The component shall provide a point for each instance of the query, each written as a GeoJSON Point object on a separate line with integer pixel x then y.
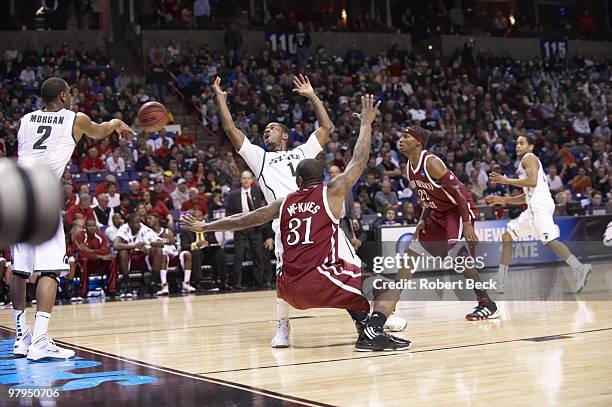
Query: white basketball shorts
{"type": "Point", "coordinates": [49, 256]}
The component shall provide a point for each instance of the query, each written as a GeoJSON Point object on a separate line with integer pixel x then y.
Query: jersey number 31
{"type": "Point", "coordinates": [294, 237]}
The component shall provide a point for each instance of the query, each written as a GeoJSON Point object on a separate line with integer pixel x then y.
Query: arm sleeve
{"type": "Point", "coordinates": [456, 189]}
{"type": "Point", "coordinates": [311, 148]}
{"type": "Point", "coordinates": [253, 155]}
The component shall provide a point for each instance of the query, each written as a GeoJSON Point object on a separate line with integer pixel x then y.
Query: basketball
{"type": "Point", "coordinates": [152, 116]}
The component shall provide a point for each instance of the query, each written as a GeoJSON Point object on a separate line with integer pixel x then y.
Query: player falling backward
{"type": "Point", "coordinates": [275, 170]}
{"type": "Point", "coordinates": [318, 269]}
{"type": "Point", "coordinates": [48, 136]}
{"type": "Point", "coordinates": [537, 219]}
{"type": "Point", "coordinates": [448, 214]}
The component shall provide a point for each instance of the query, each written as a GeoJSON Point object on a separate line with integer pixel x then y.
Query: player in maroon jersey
{"type": "Point", "coordinates": [319, 266]}
{"type": "Point", "coordinates": [448, 211]}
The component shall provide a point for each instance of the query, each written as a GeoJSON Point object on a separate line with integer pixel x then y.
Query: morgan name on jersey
{"type": "Point", "coordinates": [45, 119]}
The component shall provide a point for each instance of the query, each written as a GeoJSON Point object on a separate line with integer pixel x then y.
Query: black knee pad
{"type": "Point", "coordinates": [50, 274]}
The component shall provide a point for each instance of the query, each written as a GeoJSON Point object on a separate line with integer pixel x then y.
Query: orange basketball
{"type": "Point", "coordinates": [152, 116]}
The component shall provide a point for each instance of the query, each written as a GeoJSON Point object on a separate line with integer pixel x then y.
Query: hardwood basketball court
{"type": "Point", "coordinates": [214, 350]}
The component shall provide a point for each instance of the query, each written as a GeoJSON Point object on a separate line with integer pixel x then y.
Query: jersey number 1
{"type": "Point", "coordinates": [46, 132]}
{"type": "Point", "coordinates": [294, 236]}
{"type": "Point", "coordinates": [290, 165]}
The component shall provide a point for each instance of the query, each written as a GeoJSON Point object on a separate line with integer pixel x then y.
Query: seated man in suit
{"type": "Point", "coordinates": [204, 247]}
{"type": "Point", "coordinates": [247, 199]}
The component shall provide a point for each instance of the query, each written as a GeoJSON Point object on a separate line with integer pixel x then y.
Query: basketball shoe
{"type": "Point", "coordinates": [163, 291]}
{"type": "Point", "coordinates": [486, 309]}
{"type": "Point", "coordinates": [21, 345]}
{"type": "Point", "coordinates": [582, 276]}
{"type": "Point", "coordinates": [44, 347]}
{"type": "Point", "coordinates": [281, 339]}
{"type": "Point", "coordinates": [188, 288]}
{"type": "Point", "coordinates": [373, 340]}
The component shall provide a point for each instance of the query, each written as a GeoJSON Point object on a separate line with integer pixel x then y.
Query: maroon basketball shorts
{"type": "Point", "coordinates": [336, 285]}
{"type": "Point", "coordinates": [442, 233]}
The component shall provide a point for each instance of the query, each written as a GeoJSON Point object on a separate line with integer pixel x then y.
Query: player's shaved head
{"type": "Point", "coordinates": [309, 172]}
{"type": "Point", "coordinates": [52, 88]}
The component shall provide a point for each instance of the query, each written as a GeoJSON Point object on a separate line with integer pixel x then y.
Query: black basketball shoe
{"type": "Point", "coordinates": [374, 340]}
{"type": "Point", "coordinates": [486, 309]}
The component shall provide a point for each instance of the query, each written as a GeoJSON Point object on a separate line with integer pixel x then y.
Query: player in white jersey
{"type": "Point", "coordinates": [48, 136]}
{"type": "Point", "coordinates": [171, 257]}
{"type": "Point", "coordinates": [537, 219]}
{"type": "Point", "coordinates": [275, 171]}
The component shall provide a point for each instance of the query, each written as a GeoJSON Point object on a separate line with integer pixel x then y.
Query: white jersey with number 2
{"type": "Point", "coordinates": [46, 137]}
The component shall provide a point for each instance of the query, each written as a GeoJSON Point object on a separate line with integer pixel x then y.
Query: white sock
{"type": "Point", "coordinates": [41, 325]}
{"type": "Point", "coordinates": [187, 276]}
{"type": "Point", "coordinates": [162, 276]}
{"type": "Point", "coordinates": [573, 262]}
{"type": "Point", "coordinates": [503, 268]}
{"type": "Point", "coordinates": [21, 322]}
{"type": "Point", "coordinates": [282, 309]}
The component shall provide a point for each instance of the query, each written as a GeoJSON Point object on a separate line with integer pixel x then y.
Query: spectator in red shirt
{"type": "Point", "coordinates": [162, 195]}
{"type": "Point", "coordinates": [92, 163]}
{"type": "Point", "coordinates": [155, 205]}
{"type": "Point", "coordinates": [67, 179]}
{"type": "Point", "coordinates": [164, 151]}
{"type": "Point", "coordinates": [83, 208]}
{"type": "Point", "coordinates": [95, 257]}
{"type": "Point", "coordinates": [185, 139]}
{"type": "Point", "coordinates": [195, 201]}
{"type": "Point", "coordinates": [586, 24]}
{"type": "Point", "coordinates": [70, 197]}
{"type": "Point", "coordinates": [102, 187]}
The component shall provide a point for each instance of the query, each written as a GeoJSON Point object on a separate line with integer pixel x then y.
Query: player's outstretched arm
{"type": "Point", "coordinates": [235, 222]}
{"type": "Point", "coordinates": [339, 186]}
{"type": "Point", "coordinates": [506, 200]}
{"type": "Point", "coordinates": [531, 165]}
{"type": "Point", "coordinates": [235, 135]}
{"type": "Point", "coordinates": [303, 87]}
{"type": "Point", "coordinates": [83, 126]}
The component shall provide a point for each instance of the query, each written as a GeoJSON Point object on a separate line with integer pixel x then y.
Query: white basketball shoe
{"type": "Point", "coordinates": [281, 339]}
{"type": "Point", "coordinates": [20, 348]}
{"type": "Point", "coordinates": [582, 276]}
{"type": "Point", "coordinates": [44, 347]}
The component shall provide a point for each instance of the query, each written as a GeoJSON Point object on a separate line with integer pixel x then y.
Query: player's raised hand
{"type": "Point", "coordinates": [495, 200]}
{"type": "Point", "coordinates": [124, 131]}
{"type": "Point", "coordinates": [368, 109]}
{"type": "Point", "coordinates": [217, 88]}
{"type": "Point", "coordinates": [190, 223]}
{"type": "Point", "coordinates": [498, 178]}
{"type": "Point", "coordinates": [302, 86]}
